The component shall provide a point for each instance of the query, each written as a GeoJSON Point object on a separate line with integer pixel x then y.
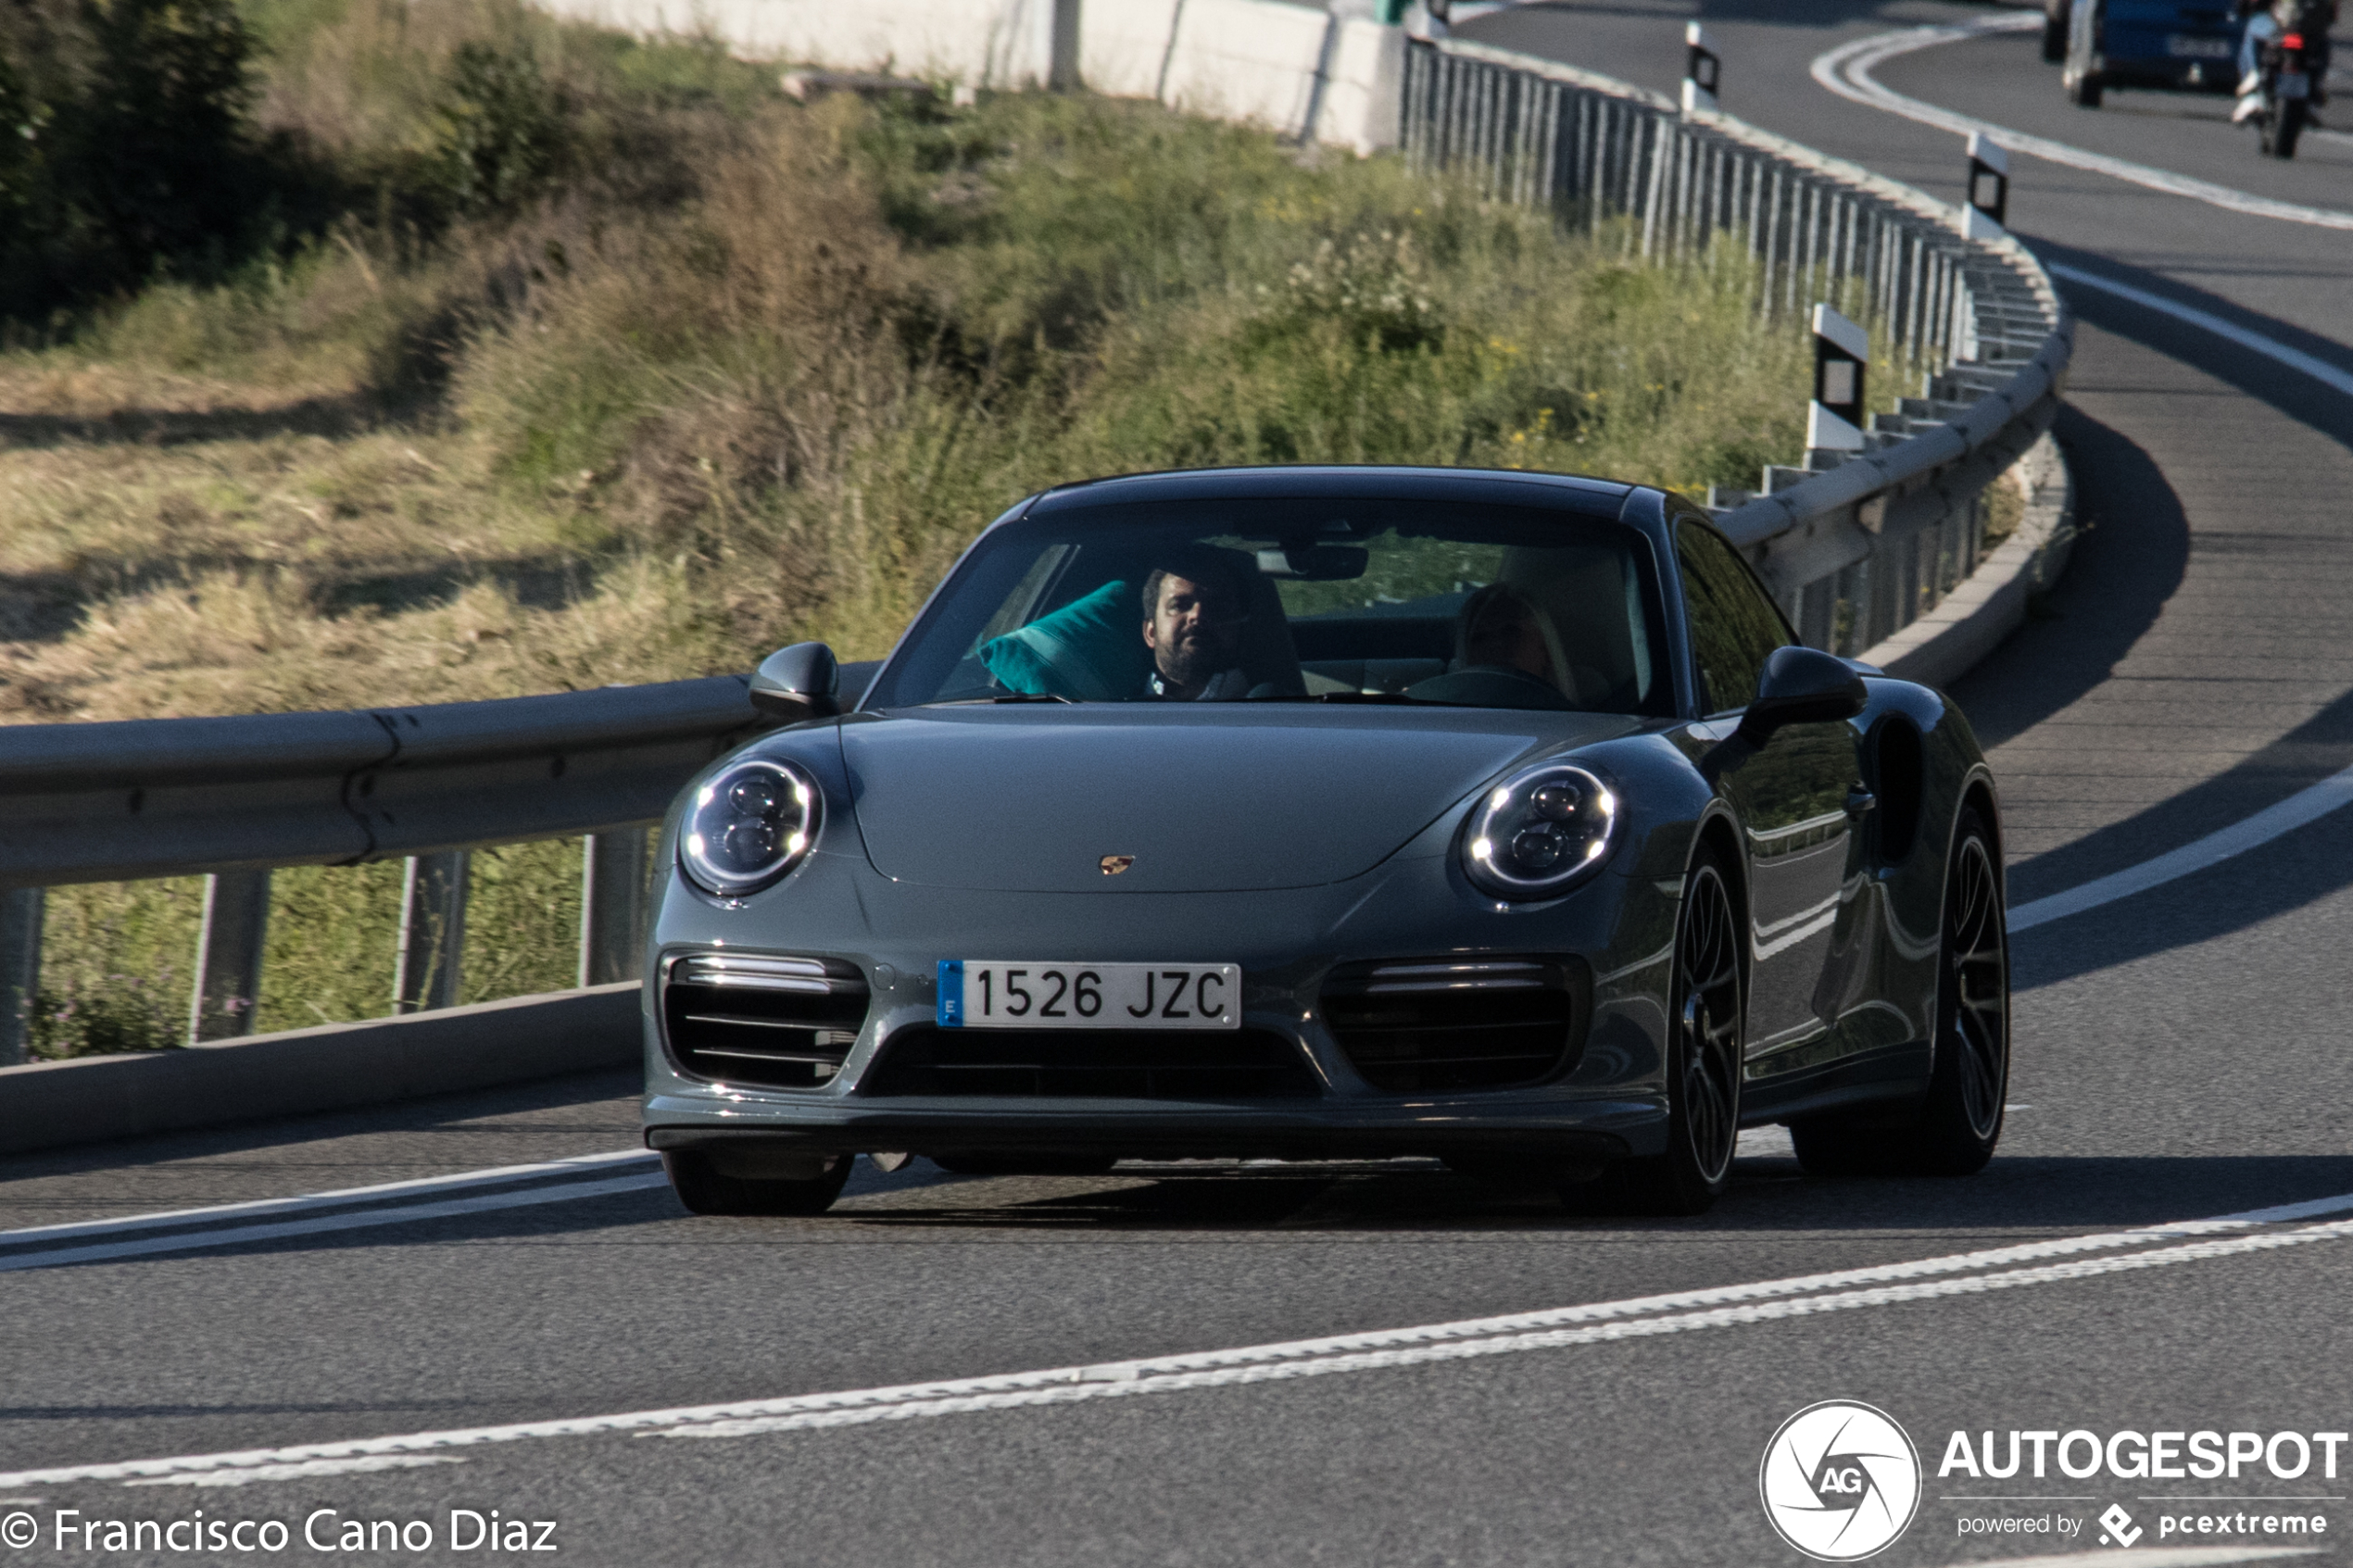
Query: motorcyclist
{"type": "Point", "coordinates": [2271, 20]}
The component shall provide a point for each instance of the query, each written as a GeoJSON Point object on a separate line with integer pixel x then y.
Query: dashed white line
{"type": "Point", "coordinates": [361, 1465]}
{"type": "Point", "coordinates": [1846, 70]}
{"type": "Point", "coordinates": [1597, 1323]}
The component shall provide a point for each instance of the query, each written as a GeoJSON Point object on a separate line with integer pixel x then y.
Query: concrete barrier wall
{"type": "Point", "coordinates": [1301, 69]}
{"type": "Point", "coordinates": [49, 1104]}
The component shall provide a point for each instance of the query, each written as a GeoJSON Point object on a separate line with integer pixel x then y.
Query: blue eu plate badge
{"type": "Point", "coordinates": [951, 994]}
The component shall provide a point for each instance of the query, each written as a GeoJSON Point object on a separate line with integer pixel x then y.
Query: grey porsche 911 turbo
{"type": "Point", "coordinates": [1306, 813]}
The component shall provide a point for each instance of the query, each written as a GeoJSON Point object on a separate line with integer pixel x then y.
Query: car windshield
{"type": "Point", "coordinates": [1295, 600]}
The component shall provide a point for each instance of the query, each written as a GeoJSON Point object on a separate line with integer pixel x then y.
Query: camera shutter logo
{"type": "Point", "coordinates": [1841, 1480]}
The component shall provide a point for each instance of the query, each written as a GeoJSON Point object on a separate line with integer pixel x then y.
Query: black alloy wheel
{"type": "Point", "coordinates": [1707, 1035]}
{"type": "Point", "coordinates": [696, 1176]}
{"type": "Point", "coordinates": [1957, 1126]}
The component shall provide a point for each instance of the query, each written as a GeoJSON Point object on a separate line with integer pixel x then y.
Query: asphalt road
{"type": "Point", "coordinates": [2179, 1055]}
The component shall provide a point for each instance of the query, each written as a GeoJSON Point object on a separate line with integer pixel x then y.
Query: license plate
{"type": "Point", "coordinates": [2188, 47]}
{"type": "Point", "coordinates": [1044, 994]}
{"type": "Point", "coordinates": [2294, 84]}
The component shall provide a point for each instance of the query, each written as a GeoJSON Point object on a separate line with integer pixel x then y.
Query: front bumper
{"type": "Point", "coordinates": [1608, 1102]}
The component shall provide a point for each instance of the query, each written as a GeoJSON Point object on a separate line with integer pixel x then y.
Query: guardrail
{"type": "Point", "coordinates": [1855, 552]}
{"type": "Point", "coordinates": [1857, 549]}
{"type": "Point", "coordinates": [234, 797]}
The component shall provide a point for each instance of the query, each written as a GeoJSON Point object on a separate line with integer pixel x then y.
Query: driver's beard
{"type": "Point", "coordinates": [1193, 661]}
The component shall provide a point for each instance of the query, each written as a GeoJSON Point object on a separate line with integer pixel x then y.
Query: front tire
{"type": "Point", "coordinates": [2284, 127]}
{"type": "Point", "coordinates": [1707, 1033]}
{"type": "Point", "coordinates": [696, 1177]}
{"type": "Point", "coordinates": [1960, 1122]}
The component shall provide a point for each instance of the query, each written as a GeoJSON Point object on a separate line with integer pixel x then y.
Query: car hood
{"type": "Point", "coordinates": [1199, 799]}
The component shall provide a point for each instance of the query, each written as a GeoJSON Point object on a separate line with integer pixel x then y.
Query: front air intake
{"type": "Point", "coordinates": [1189, 1064]}
{"type": "Point", "coordinates": [1424, 1025]}
{"type": "Point", "coordinates": [775, 1022]}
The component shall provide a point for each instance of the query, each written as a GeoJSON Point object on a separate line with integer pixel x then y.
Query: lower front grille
{"type": "Point", "coordinates": [777, 1022]}
{"type": "Point", "coordinates": [1418, 1025]}
{"type": "Point", "coordinates": [1102, 1064]}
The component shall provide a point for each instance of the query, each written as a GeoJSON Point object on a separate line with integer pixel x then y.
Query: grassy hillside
{"type": "Point", "coordinates": [595, 361]}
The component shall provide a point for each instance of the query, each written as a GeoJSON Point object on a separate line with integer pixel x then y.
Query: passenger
{"type": "Point", "coordinates": [1193, 618]}
{"type": "Point", "coordinates": [1502, 628]}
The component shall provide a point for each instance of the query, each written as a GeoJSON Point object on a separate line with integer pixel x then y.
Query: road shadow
{"type": "Point", "coordinates": [2298, 395]}
{"type": "Point", "coordinates": [2130, 559]}
{"type": "Point", "coordinates": [1769, 1194]}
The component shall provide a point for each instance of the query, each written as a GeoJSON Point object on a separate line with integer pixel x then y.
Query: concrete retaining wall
{"type": "Point", "coordinates": [48, 1104]}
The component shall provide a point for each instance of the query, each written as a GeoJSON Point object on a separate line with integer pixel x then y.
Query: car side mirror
{"type": "Point", "coordinates": [1801, 686]}
{"type": "Point", "coordinates": [800, 682]}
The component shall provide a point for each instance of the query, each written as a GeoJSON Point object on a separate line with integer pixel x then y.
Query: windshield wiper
{"type": "Point", "coordinates": [1391, 698]}
{"type": "Point", "coordinates": [1000, 696]}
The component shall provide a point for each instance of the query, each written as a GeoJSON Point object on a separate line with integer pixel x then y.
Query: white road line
{"type": "Point", "coordinates": [1846, 70]}
{"type": "Point", "coordinates": [304, 1471]}
{"type": "Point", "coordinates": [2271, 349]}
{"type": "Point", "coordinates": [1590, 1323]}
{"type": "Point", "coordinates": [1120, 1379]}
{"type": "Point", "coordinates": [577, 1164]}
{"type": "Point", "coordinates": [2305, 805]}
{"type": "Point", "coordinates": [363, 1219]}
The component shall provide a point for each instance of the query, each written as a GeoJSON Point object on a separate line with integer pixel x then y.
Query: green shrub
{"type": "Point", "coordinates": [505, 132]}
{"type": "Point", "coordinates": [132, 151]}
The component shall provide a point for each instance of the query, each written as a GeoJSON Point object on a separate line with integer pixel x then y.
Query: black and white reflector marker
{"type": "Point", "coordinates": [1702, 66]}
{"type": "Point", "coordinates": [1986, 212]}
{"type": "Point", "coordinates": [1842, 351]}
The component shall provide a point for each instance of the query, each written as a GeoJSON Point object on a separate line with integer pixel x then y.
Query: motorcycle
{"type": "Point", "coordinates": [2290, 48]}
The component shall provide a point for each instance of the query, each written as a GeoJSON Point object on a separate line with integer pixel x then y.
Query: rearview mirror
{"type": "Point", "coordinates": [1315, 563]}
{"type": "Point", "coordinates": [800, 682]}
{"type": "Point", "coordinates": [1801, 686]}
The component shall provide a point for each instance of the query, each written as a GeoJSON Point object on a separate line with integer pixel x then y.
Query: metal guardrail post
{"type": "Point", "coordinates": [433, 932]}
{"type": "Point", "coordinates": [21, 917]}
{"type": "Point", "coordinates": [236, 924]}
{"type": "Point", "coordinates": [612, 905]}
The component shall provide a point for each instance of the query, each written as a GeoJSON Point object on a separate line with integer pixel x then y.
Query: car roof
{"type": "Point", "coordinates": [1592, 497]}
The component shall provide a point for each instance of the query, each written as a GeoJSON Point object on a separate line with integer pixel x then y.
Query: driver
{"type": "Point", "coordinates": [1193, 618]}
{"type": "Point", "coordinates": [1502, 628]}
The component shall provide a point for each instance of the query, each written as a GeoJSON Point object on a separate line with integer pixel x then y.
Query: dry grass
{"type": "Point", "coordinates": [757, 372]}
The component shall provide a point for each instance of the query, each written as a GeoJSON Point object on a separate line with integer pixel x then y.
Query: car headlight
{"type": "Point", "coordinates": [749, 825]}
{"type": "Point", "coordinates": [1538, 833]}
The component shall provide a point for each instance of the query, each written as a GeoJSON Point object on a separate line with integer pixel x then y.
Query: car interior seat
{"type": "Point", "coordinates": [1592, 597]}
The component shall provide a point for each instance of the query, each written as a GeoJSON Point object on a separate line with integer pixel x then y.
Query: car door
{"type": "Point", "coordinates": [1790, 793]}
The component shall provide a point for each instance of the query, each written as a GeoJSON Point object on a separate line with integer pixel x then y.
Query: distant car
{"type": "Point", "coordinates": [2184, 45]}
{"type": "Point", "coordinates": [1311, 812]}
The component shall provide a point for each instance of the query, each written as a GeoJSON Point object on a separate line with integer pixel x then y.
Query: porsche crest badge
{"type": "Point", "coordinates": [1114, 864]}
